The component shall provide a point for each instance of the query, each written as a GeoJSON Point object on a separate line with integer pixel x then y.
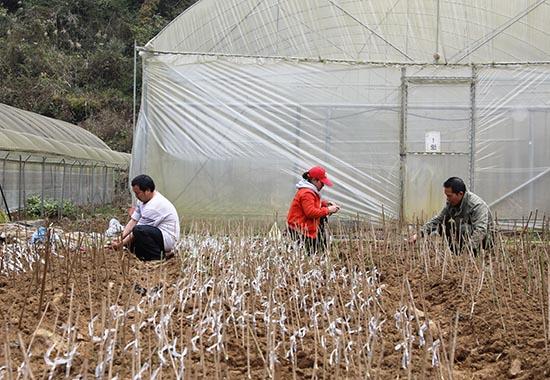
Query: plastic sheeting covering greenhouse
{"type": "Point", "coordinates": [52, 159]}
{"type": "Point", "coordinates": [392, 97]}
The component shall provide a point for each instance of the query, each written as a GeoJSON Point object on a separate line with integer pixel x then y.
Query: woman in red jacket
{"type": "Point", "coordinates": [307, 211]}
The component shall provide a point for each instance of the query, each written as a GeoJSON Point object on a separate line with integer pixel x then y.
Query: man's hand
{"type": "Point", "coordinates": [413, 239]}
{"type": "Point", "coordinates": [116, 245]}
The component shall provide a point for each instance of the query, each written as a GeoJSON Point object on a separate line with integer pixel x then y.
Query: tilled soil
{"type": "Point", "coordinates": [490, 314]}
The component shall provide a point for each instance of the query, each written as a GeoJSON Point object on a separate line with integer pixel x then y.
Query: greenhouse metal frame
{"type": "Point", "coordinates": [54, 160]}
{"type": "Point", "coordinates": [206, 87]}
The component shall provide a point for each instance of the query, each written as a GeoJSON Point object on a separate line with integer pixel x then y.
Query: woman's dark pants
{"type": "Point", "coordinates": [312, 245]}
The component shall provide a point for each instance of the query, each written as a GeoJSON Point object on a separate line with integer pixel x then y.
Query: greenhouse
{"type": "Point", "coordinates": [56, 160]}
{"type": "Point", "coordinates": [392, 97]}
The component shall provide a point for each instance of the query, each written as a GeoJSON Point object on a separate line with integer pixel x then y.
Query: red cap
{"type": "Point", "coordinates": [319, 173]}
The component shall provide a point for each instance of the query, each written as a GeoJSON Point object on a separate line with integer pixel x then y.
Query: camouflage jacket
{"type": "Point", "coordinates": [472, 211]}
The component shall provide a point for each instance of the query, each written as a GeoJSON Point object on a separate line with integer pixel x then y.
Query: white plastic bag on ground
{"type": "Point", "coordinates": [115, 228]}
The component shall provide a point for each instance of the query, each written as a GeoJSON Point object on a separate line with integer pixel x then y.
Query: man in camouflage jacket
{"type": "Point", "coordinates": [465, 219]}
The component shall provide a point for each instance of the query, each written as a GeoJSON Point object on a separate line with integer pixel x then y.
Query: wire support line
{"type": "Point", "coordinates": [386, 14]}
{"type": "Point", "coordinates": [468, 50]}
{"type": "Point", "coordinates": [236, 25]}
{"type": "Point", "coordinates": [370, 30]}
{"type": "Point", "coordinates": [523, 185]}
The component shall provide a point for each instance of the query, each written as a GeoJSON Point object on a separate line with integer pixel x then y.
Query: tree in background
{"type": "Point", "coordinates": [73, 60]}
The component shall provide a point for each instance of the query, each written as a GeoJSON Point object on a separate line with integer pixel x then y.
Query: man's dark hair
{"type": "Point", "coordinates": [456, 184]}
{"type": "Point", "coordinates": [144, 182]}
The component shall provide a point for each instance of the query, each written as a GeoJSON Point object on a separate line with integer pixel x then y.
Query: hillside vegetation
{"type": "Point", "coordinates": [73, 60]}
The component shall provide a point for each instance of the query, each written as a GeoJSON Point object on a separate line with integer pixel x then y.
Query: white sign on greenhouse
{"type": "Point", "coordinates": [433, 142]}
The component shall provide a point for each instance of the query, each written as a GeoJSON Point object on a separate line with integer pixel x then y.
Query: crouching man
{"type": "Point", "coordinates": [465, 219]}
{"type": "Point", "coordinates": [154, 227]}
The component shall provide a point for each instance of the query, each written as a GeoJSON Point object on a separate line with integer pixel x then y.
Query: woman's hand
{"type": "Point", "coordinates": [332, 209]}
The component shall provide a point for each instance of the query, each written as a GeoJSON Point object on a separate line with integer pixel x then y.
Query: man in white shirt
{"type": "Point", "coordinates": [154, 227]}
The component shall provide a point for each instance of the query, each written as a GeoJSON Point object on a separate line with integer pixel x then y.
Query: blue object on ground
{"type": "Point", "coordinates": [39, 236]}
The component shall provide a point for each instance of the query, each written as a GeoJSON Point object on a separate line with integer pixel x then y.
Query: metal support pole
{"type": "Point", "coordinates": [114, 182]}
{"type": "Point", "coordinates": [91, 189]}
{"type": "Point", "coordinates": [5, 203]}
{"type": "Point", "coordinates": [144, 110]}
{"type": "Point", "coordinates": [24, 185]}
{"type": "Point", "coordinates": [20, 187]}
{"type": "Point", "coordinates": [80, 180]}
{"type": "Point", "coordinates": [473, 114]}
{"type": "Point", "coordinates": [4, 169]}
{"type": "Point", "coordinates": [402, 144]}
{"type": "Point", "coordinates": [71, 190]}
{"type": "Point", "coordinates": [4, 162]}
{"type": "Point", "coordinates": [70, 182]}
{"type": "Point", "coordinates": [53, 180]}
{"type": "Point", "coordinates": [63, 173]}
{"type": "Point", "coordinates": [104, 184]}
{"type": "Point", "coordinates": [438, 22]}
{"type": "Point", "coordinates": [135, 91]}
{"type": "Point", "coordinates": [42, 187]}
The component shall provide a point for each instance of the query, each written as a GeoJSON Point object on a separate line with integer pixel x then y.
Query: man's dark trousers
{"type": "Point", "coordinates": [148, 243]}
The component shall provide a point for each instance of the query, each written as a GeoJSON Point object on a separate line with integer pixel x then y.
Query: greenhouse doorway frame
{"type": "Point", "coordinates": [453, 135]}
